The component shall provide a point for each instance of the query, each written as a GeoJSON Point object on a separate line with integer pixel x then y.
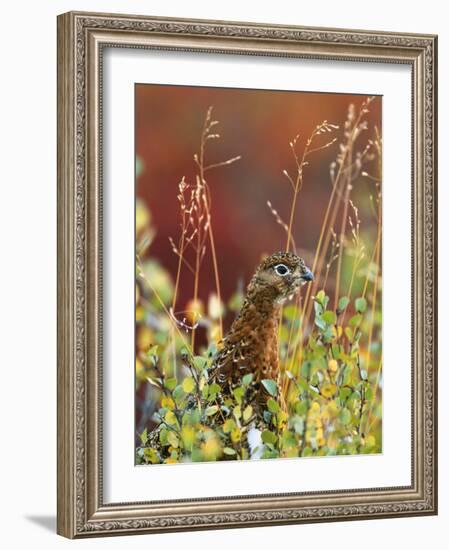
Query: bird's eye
{"type": "Point", "coordinates": [281, 269]}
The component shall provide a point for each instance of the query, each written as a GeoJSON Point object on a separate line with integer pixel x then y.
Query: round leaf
{"type": "Point", "coordinates": [273, 406]}
{"type": "Point", "coordinates": [269, 437]}
{"type": "Point", "coordinates": [329, 317]}
{"type": "Point", "coordinates": [270, 386]}
{"type": "Point", "coordinates": [188, 384]}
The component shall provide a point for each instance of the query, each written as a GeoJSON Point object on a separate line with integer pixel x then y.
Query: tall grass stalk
{"type": "Point", "coordinates": [354, 126]}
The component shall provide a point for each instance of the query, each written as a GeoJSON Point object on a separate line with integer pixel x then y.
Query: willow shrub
{"type": "Point", "coordinates": [331, 406]}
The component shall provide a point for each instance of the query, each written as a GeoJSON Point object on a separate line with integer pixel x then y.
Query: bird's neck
{"type": "Point", "coordinates": [262, 305]}
{"type": "Point", "coordinates": [265, 298]}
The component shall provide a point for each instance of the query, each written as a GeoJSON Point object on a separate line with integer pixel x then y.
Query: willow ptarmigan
{"type": "Point", "coordinates": [251, 345]}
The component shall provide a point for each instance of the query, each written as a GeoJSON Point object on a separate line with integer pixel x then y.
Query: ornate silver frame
{"type": "Point", "coordinates": [81, 39]}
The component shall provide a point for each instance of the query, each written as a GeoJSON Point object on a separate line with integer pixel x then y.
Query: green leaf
{"type": "Point", "coordinates": [318, 308]}
{"type": "Point", "coordinates": [320, 323]}
{"type": "Point", "coordinates": [229, 451]}
{"type": "Point", "coordinates": [152, 352]}
{"type": "Point", "coordinates": [214, 389]}
{"type": "Point", "coordinates": [170, 383]}
{"type": "Point", "coordinates": [270, 386]}
{"type": "Point", "coordinates": [329, 317]}
{"type": "Point", "coordinates": [343, 303]}
{"type": "Point", "coordinates": [344, 394]}
{"type": "Point", "coordinates": [368, 394]}
{"type": "Point", "coordinates": [247, 379]}
{"type": "Point", "coordinates": [151, 456]}
{"type": "Point", "coordinates": [307, 451]}
{"type": "Point", "coordinates": [269, 437]}
{"type": "Point", "coordinates": [301, 407]}
{"type": "Point", "coordinates": [345, 416]}
{"type": "Point", "coordinates": [178, 394]}
{"type": "Point", "coordinates": [239, 392]}
{"type": "Point", "coordinates": [185, 352]}
{"type": "Point", "coordinates": [144, 437]}
{"type": "Point", "coordinates": [273, 406]}
{"type": "Point", "coordinates": [360, 305]}
{"type": "Point", "coordinates": [355, 321]}
{"type": "Point", "coordinates": [237, 412]}
{"type": "Point", "coordinates": [228, 426]}
{"type": "Point", "coordinates": [200, 363]}
{"type": "Point", "coordinates": [305, 369]}
{"type": "Point", "coordinates": [163, 436]}
{"type": "Point", "coordinates": [210, 411]}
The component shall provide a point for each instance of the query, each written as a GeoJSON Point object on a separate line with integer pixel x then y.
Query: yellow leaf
{"type": "Point", "coordinates": [170, 417]}
{"type": "Point", "coordinates": [282, 417]}
{"type": "Point", "coordinates": [173, 439]}
{"type": "Point", "coordinates": [194, 310]}
{"type": "Point", "coordinates": [214, 333]}
{"type": "Point", "coordinates": [332, 365]}
{"type": "Point", "coordinates": [188, 384]}
{"type": "Point", "coordinates": [332, 441]}
{"type": "Point", "coordinates": [328, 390]}
{"type": "Point", "coordinates": [139, 367]}
{"type": "Point", "coordinates": [142, 216]}
{"type": "Point", "coordinates": [211, 448]}
{"type": "Point", "coordinates": [140, 313]}
{"type": "Point", "coordinates": [151, 456]}
{"type": "Point", "coordinates": [144, 338]}
{"type": "Point", "coordinates": [188, 436]}
{"type": "Point", "coordinates": [236, 435]}
{"type": "Point", "coordinates": [215, 307]}
{"type": "Point", "coordinates": [237, 412]}
{"type": "Point", "coordinates": [331, 410]}
{"type": "Point", "coordinates": [228, 426]}
{"type": "Point", "coordinates": [247, 413]}
{"type": "Point", "coordinates": [167, 402]}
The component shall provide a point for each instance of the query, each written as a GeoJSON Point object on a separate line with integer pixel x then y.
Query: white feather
{"type": "Point", "coordinates": [256, 445]}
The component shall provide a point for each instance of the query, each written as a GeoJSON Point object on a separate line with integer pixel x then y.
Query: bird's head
{"type": "Point", "coordinates": [281, 274]}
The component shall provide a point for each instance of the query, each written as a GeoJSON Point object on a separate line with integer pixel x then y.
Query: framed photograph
{"type": "Point", "coordinates": [247, 274]}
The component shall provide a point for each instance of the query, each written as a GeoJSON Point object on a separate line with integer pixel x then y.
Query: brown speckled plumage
{"type": "Point", "coordinates": [251, 345]}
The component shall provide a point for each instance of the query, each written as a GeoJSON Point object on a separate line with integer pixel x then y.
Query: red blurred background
{"type": "Point", "coordinates": [258, 125]}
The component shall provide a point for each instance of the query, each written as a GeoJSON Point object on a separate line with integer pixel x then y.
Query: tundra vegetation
{"type": "Point", "coordinates": [328, 399]}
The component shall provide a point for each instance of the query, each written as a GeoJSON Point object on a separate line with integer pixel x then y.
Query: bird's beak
{"type": "Point", "coordinates": [307, 275]}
